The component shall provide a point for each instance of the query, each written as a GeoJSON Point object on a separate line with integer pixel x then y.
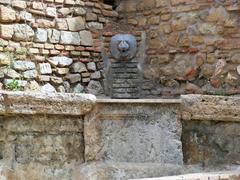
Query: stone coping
{"type": "Point", "coordinates": [141, 101]}
{"type": "Point", "coordinates": [45, 103]}
{"type": "Point", "coordinates": [208, 107]}
{"type": "Point", "coordinates": [193, 106]}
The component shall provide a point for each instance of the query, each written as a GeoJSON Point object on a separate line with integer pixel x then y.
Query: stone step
{"type": "Point", "coordinates": [224, 175]}
{"type": "Point", "coordinates": [122, 65]}
{"type": "Point", "coordinates": [125, 70]}
{"type": "Point", "coordinates": [125, 76]}
{"type": "Point", "coordinates": [123, 170]}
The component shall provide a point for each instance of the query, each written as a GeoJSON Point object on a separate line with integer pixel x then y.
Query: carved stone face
{"type": "Point", "coordinates": [123, 46]}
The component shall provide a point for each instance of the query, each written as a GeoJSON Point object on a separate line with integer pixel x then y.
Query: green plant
{"type": "Point", "coordinates": [14, 86]}
{"type": "Point", "coordinates": [220, 93]}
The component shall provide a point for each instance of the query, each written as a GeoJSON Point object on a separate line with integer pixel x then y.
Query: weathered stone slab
{"type": "Point", "coordinates": [37, 170]}
{"type": "Point", "coordinates": [225, 175]}
{"type": "Point", "coordinates": [133, 132]}
{"type": "Point", "coordinates": [42, 145]}
{"type": "Point", "coordinates": [61, 61]}
{"type": "Point", "coordinates": [70, 38]}
{"type": "Point", "coordinates": [48, 88]}
{"type": "Point", "coordinates": [211, 143]}
{"type": "Point", "coordinates": [23, 32]}
{"type": "Point", "coordinates": [76, 23]}
{"type": "Point", "coordinates": [206, 107]}
{"type": "Point", "coordinates": [6, 31]}
{"type": "Point", "coordinates": [41, 35]}
{"type": "Point", "coordinates": [7, 14]}
{"type": "Point", "coordinates": [45, 103]}
{"type": "Point", "coordinates": [123, 171]}
{"type": "Point", "coordinates": [86, 38]}
{"type": "Point", "coordinates": [23, 65]}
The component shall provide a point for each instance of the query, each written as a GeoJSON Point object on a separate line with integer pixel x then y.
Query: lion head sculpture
{"type": "Point", "coordinates": [123, 46]}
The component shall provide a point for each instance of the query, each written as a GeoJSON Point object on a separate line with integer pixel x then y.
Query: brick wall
{"type": "Point", "coordinates": [52, 45]}
{"type": "Point", "coordinates": [192, 46]}
{"type": "Point", "coordinates": [57, 45]}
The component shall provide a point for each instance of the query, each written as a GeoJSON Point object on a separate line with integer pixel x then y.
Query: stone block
{"type": "Point", "coordinates": [10, 73]}
{"type": "Point", "coordinates": [4, 59]}
{"type": "Point", "coordinates": [56, 80]}
{"type": "Point", "coordinates": [78, 88]}
{"type": "Point", "coordinates": [30, 74]}
{"type": "Point", "coordinates": [61, 61]}
{"type": "Point", "coordinates": [72, 38]}
{"type": "Point", "coordinates": [86, 38]}
{"type": "Point", "coordinates": [96, 75]}
{"type": "Point", "coordinates": [48, 88]}
{"type": "Point", "coordinates": [45, 68]}
{"type": "Point", "coordinates": [23, 32]}
{"type": "Point", "coordinates": [78, 67]}
{"type": "Point", "coordinates": [32, 86]}
{"type": "Point", "coordinates": [134, 132]}
{"type": "Point", "coordinates": [26, 16]}
{"type": "Point", "coordinates": [6, 31]}
{"type": "Point", "coordinates": [62, 71]}
{"type": "Point", "coordinates": [23, 65]}
{"type": "Point", "coordinates": [7, 14]}
{"type": "Point", "coordinates": [91, 17]}
{"type": "Point", "coordinates": [46, 104]}
{"type": "Point", "coordinates": [19, 4]}
{"type": "Point", "coordinates": [95, 25]}
{"type": "Point", "coordinates": [41, 35]}
{"type": "Point", "coordinates": [206, 107]}
{"type": "Point", "coordinates": [73, 78]}
{"type": "Point", "coordinates": [64, 11]}
{"type": "Point", "coordinates": [5, 1]}
{"type": "Point", "coordinates": [39, 6]}
{"type": "Point", "coordinates": [76, 23]}
{"type": "Point", "coordinates": [211, 143]}
{"type": "Point", "coordinates": [51, 11]}
{"type": "Point", "coordinates": [53, 35]}
{"type": "Point", "coordinates": [91, 66]}
{"type": "Point", "coordinates": [61, 24]}
{"type": "Point", "coordinates": [79, 11]}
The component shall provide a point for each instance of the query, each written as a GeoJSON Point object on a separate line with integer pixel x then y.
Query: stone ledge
{"type": "Point", "coordinates": [227, 175]}
{"type": "Point", "coordinates": [141, 101]}
{"type": "Point", "coordinates": [207, 107]}
{"type": "Point", "coordinates": [45, 103]}
{"type": "Point", "coordinates": [123, 170]}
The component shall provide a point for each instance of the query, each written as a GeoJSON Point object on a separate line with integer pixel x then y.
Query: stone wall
{"type": "Point", "coordinates": [52, 45]}
{"type": "Point", "coordinates": [210, 134]}
{"type": "Point", "coordinates": [192, 46]}
{"type": "Point", "coordinates": [61, 45]}
{"type": "Point", "coordinates": [41, 137]}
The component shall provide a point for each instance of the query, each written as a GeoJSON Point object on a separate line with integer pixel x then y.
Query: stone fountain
{"type": "Point", "coordinates": [123, 72]}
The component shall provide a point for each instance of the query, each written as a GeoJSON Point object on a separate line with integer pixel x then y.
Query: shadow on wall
{"type": "Point", "coordinates": [113, 3]}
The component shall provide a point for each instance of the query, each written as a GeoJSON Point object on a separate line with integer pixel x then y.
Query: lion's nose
{"type": "Point", "coordinates": [123, 46]}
